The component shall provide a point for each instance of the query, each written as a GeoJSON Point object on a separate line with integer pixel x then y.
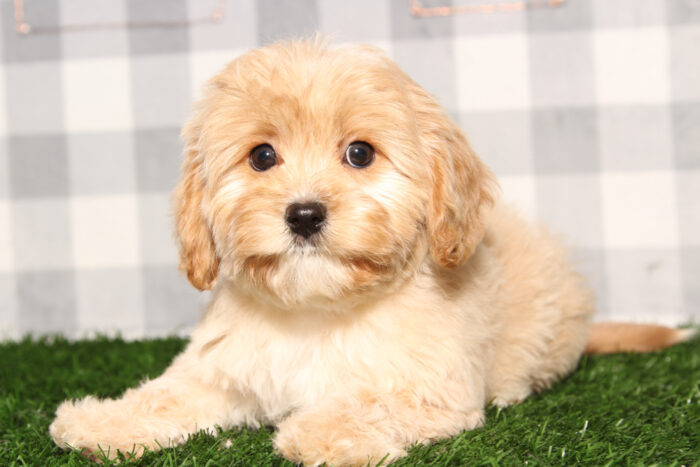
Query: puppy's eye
{"type": "Point", "coordinates": [262, 157]}
{"type": "Point", "coordinates": [359, 154]}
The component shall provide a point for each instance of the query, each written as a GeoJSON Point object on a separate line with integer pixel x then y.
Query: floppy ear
{"type": "Point", "coordinates": [462, 186]}
{"type": "Point", "coordinates": [197, 254]}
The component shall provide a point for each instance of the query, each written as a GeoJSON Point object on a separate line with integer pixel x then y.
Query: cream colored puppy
{"type": "Point", "coordinates": [369, 292]}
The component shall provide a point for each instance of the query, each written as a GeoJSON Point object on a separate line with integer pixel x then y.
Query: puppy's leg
{"type": "Point", "coordinates": [367, 428]}
{"type": "Point", "coordinates": [527, 365]}
{"type": "Point", "coordinates": [160, 413]}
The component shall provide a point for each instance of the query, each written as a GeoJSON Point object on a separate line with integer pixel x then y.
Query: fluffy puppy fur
{"type": "Point", "coordinates": [421, 300]}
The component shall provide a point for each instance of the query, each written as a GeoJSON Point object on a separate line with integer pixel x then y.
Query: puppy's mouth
{"type": "Point", "coordinates": [311, 278]}
{"type": "Point", "coordinates": [305, 246]}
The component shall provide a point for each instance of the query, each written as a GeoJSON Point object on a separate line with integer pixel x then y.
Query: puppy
{"type": "Point", "coordinates": [369, 291]}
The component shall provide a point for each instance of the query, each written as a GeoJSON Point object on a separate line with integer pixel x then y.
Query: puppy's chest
{"type": "Point", "coordinates": [287, 371]}
{"type": "Point", "coordinates": [283, 371]}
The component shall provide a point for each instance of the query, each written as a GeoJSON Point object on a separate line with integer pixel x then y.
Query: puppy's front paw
{"type": "Point", "coordinates": [94, 427]}
{"type": "Point", "coordinates": [314, 439]}
{"type": "Point", "coordinates": [81, 425]}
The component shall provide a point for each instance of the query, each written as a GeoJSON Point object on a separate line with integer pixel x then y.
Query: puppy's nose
{"type": "Point", "coordinates": [305, 219]}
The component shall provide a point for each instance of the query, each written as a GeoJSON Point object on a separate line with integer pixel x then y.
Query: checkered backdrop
{"type": "Point", "coordinates": [589, 113]}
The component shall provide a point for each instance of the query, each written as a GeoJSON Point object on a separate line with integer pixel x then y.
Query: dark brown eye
{"type": "Point", "coordinates": [262, 157]}
{"type": "Point", "coordinates": [359, 154]}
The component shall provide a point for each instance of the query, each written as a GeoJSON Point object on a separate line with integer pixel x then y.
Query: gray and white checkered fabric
{"type": "Point", "coordinates": [590, 114]}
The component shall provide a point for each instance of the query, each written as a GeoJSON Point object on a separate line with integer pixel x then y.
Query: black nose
{"type": "Point", "coordinates": [305, 219]}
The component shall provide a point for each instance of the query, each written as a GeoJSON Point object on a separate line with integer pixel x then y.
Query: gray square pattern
{"type": "Point", "coordinates": [156, 104]}
{"type": "Point", "coordinates": [42, 234]}
{"type": "Point", "coordinates": [575, 15]}
{"type": "Point", "coordinates": [8, 310]}
{"type": "Point", "coordinates": [97, 42]}
{"type": "Point", "coordinates": [238, 29]}
{"type": "Point", "coordinates": [4, 170]}
{"type": "Point", "coordinates": [430, 64]}
{"type": "Point", "coordinates": [685, 67]}
{"type": "Point", "coordinates": [110, 300]}
{"type": "Point", "coordinates": [38, 166]}
{"type": "Point", "coordinates": [31, 47]}
{"type": "Point", "coordinates": [286, 19]}
{"type": "Point", "coordinates": [158, 158]}
{"type": "Point", "coordinates": [561, 69]}
{"type": "Point", "coordinates": [90, 125]}
{"type": "Point", "coordinates": [514, 22]}
{"type": "Point", "coordinates": [53, 310]}
{"type": "Point", "coordinates": [686, 137]}
{"type": "Point", "coordinates": [645, 285]}
{"type": "Point", "coordinates": [359, 20]}
{"type": "Point", "coordinates": [160, 38]}
{"type": "Point", "coordinates": [406, 26]}
{"type": "Point", "coordinates": [683, 11]}
{"type": "Point", "coordinates": [171, 303]}
{"type": "Point", "coordinates": [565, 140]}
{"type": "Point", "coordinates": [102, 163]}
{"type": "Point", "coordinates": [34, 103]}
{"type": "Point", "coordinates": [156, 230]}
{"type": "Point", "coordinates": [628, 13]}
{"type": "Point", "coordinates": [636, 137]}
{"type": "Point", "coordinates": [506, 156]}
{"type": "Point", "coordinates": [687, 195]}
{"type": "Point", "coordinates": [562, 199]}
{"type": "Point", "coordinates": [691, 274]}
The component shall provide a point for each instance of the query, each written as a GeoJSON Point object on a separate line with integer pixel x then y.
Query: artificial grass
{"type": "Point", "coordinates": [615, 410]}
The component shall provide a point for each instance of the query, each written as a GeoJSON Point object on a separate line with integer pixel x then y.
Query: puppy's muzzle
{"type": "Point", "coordinates": [305, 219]}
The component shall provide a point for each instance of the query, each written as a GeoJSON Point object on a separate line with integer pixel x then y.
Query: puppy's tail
{"type": "Point", "coordinates": [629, 337]}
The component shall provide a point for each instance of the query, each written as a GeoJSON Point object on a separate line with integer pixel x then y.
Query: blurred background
{"type": "Point", "coordinates": [588, 111]}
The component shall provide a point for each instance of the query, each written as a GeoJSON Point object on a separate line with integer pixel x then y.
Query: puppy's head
{"type": "Point", "coordinates": [315, 174]}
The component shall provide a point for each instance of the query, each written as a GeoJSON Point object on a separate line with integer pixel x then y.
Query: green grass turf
{"type": "Point", "coordinates": [615, 410]}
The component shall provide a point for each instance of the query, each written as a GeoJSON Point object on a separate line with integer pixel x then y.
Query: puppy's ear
{"type": "Point", "coordinates": [197, 253]}
{"type": "Point", "coordinates": [463, 187]}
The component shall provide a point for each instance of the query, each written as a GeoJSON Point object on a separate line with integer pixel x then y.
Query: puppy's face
{"type": "Point", "coordinates": [314, 175]}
